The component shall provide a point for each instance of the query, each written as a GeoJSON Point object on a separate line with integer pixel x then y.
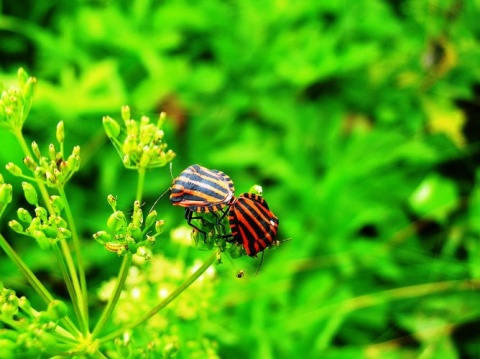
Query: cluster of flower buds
{"type": "Point", "coordinates": [54, 170]}
{"type": "Point", "coordinates": [140, 144]}
{"type": "Point", "coordinates": [216, 236]}
{"type": "Point", "coordinates": [15, 103]}
{"type": "Point", "coordinates": [134, 237]}
{"type": "Point", "coordinates": [45, 229]}
{"type": "Point", "coordinates": [5, 194]}
{"type": "Point", "coordinates": [30, 333]}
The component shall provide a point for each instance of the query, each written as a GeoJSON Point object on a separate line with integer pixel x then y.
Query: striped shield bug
{"type": "Point", "coordinates": [202, 190]}
{"type": "Point", "coordinates": [252, 223]}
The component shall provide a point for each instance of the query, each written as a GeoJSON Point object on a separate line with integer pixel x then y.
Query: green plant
{"type": "Point", "coordinates": [359, 118]}
{"type": "Point", "coordinates": [27, 332]}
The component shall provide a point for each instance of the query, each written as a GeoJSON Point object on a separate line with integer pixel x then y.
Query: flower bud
{"type": "Point", "coordinates": [57, 310]}
{"type": "Point", "coordinates": [13, 169]}
{"type": "Point", "coordinates": [150, 218]}
{"type": "Point", "coordinates": [137, 217]}
{"type": "Point", "coordinates": [210, 239]}
{"type": "Point", "coordinates": [134, 231]}
{"type": "Point", "coordinates": [129, 145]}
{"type": "Point", "coordinates": [30, 163]}
{"type": "Point", "coordinates": [60, 132]}
{"type": "Point", "coordinates": [50, 179]}
{"type": "Point", "coordinates": [57, 204]}
{"type": "Point", "coordinates": [9, 309]}
{"type": "Point", "coordinates": [112, 201]}
{"type": "Point", "coordinates": [125, 113]}
{"type": "Point", "coordinates": [22, 77]}
{"type": "Point", "coordinates": [236, 250]}
{"type": "Point", "coordinates": [47, 340]}
{"type": "Point", "coordinates": [161, 120]}
{"type": "Point", "coordinates": [28, 91]}
{"type": "Point", "coordinates": [24, 216]}
{"type": "Point", "coordinates": [257, 189]}
{"type": "Point", "coordinates": [132, 129]}
{"type": "Point", "coordinates": [117, 222]}
{"type": "Point", "coordinates": [126, 160]}
{"type": "Point", "coordinates": [73, 162]}
{"type": "Point", "coordinates": [36, 150]}
{"type": "Point", "coordinates": [147, 131]}
{"type": "Point", "coordinates": [131, 244]}
{"type": "Point", "coordinates": [142, 251]}
{"type": "Point", "coordinates": [5, 193]}
{"type": "Point", "coordinates": [48, 230]}
{"type": "Point", "coordinates": [24, 303]}
{"type": "Point", "coordinates": [16, 226]}
{"type": "Point", "coordinates": [195, 236]}
{"type": "Point", "coordinates": [63, 233]}
{"type": "Point", "coordinates": [60, 222]}
{"type": "Point", "coordinates": [112, 128]}
{"type": "Point", "coordinates": [159, 226]}
{"type": "Point", "coordinates": [52, 152]}
{"type": "Point", "coordinates": [30, 193]}
{"type": "Point", "coordinates": [145, 157]}
{"type": "Point", "coordinates": [41, 213]}
{"type": "Point", "coordinates": [102, 237]}
{"type": "Point", "coordinates": [41, 239]}
{"type": "Point", "coordinates": [150, 240]}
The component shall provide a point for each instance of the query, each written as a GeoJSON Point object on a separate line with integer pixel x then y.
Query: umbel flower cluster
{"type": "Point", "coordinates": [30, 329]}
{"type": "Point", "coordinates": [140, 144]}
{"type": "Point", "coordinates": [15, 103]}
{"type": "Point", "coordinates": [54, 170]}
{"type": "Point", "coordinates": [135, 237]}
{"type": "Point", "coordinates": [64, 329]}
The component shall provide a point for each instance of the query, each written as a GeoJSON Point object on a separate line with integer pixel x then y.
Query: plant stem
{"type": "Point", "coordinates": [122, 276]}
{"type": "Point", "coordinates": [382, 297]}
{"type": "Point", "coordinates": [165, 302]}
{"type": "Point", "coordinates": [140, 184]}
{"type": "Point", "coordinates": [123, 272]}
{"type": "Point", "coordinates": [70, 288]}
{"type": "Point", "coordinates": [83, 295]}
{"type": "Point", "coordinates": [33, 280]}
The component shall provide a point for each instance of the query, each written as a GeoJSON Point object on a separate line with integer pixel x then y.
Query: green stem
{"type": "Point", "coordinates": [379, 298]}
{"type": "Point", "coordinates": [70, 288]}
{"type": "Point", "coordinates": [82, 291]}
{"type": "Point", "coordinates": [80, 295]}
{"type": "Point", "coordinates": [165, 302]}
{"type": "Point", "coordinates": [33, 280]}
{"type": "Point", "coordinates": [123, 272]}
{"type": "Point", "coordinates": [14, 324]}
{"type": "Point", "coordinates": [122, 276]}
{"type": "Point", "coordinates": [141, 182]}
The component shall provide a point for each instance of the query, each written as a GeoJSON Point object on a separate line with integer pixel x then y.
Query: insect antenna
{"type": "Point", "coordinates": [260, 265]}
{"type": "Point", "coordinates": [163, 194]}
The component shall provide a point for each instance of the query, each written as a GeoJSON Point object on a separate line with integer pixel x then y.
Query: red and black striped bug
{"type": "Point", "coordinates": [252, 223]}
{"type": "Point", "coordinates": [202, 190]}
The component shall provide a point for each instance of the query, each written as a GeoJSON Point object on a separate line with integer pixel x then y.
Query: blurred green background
{"type": "Point", "coordinates": [360, 119]}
